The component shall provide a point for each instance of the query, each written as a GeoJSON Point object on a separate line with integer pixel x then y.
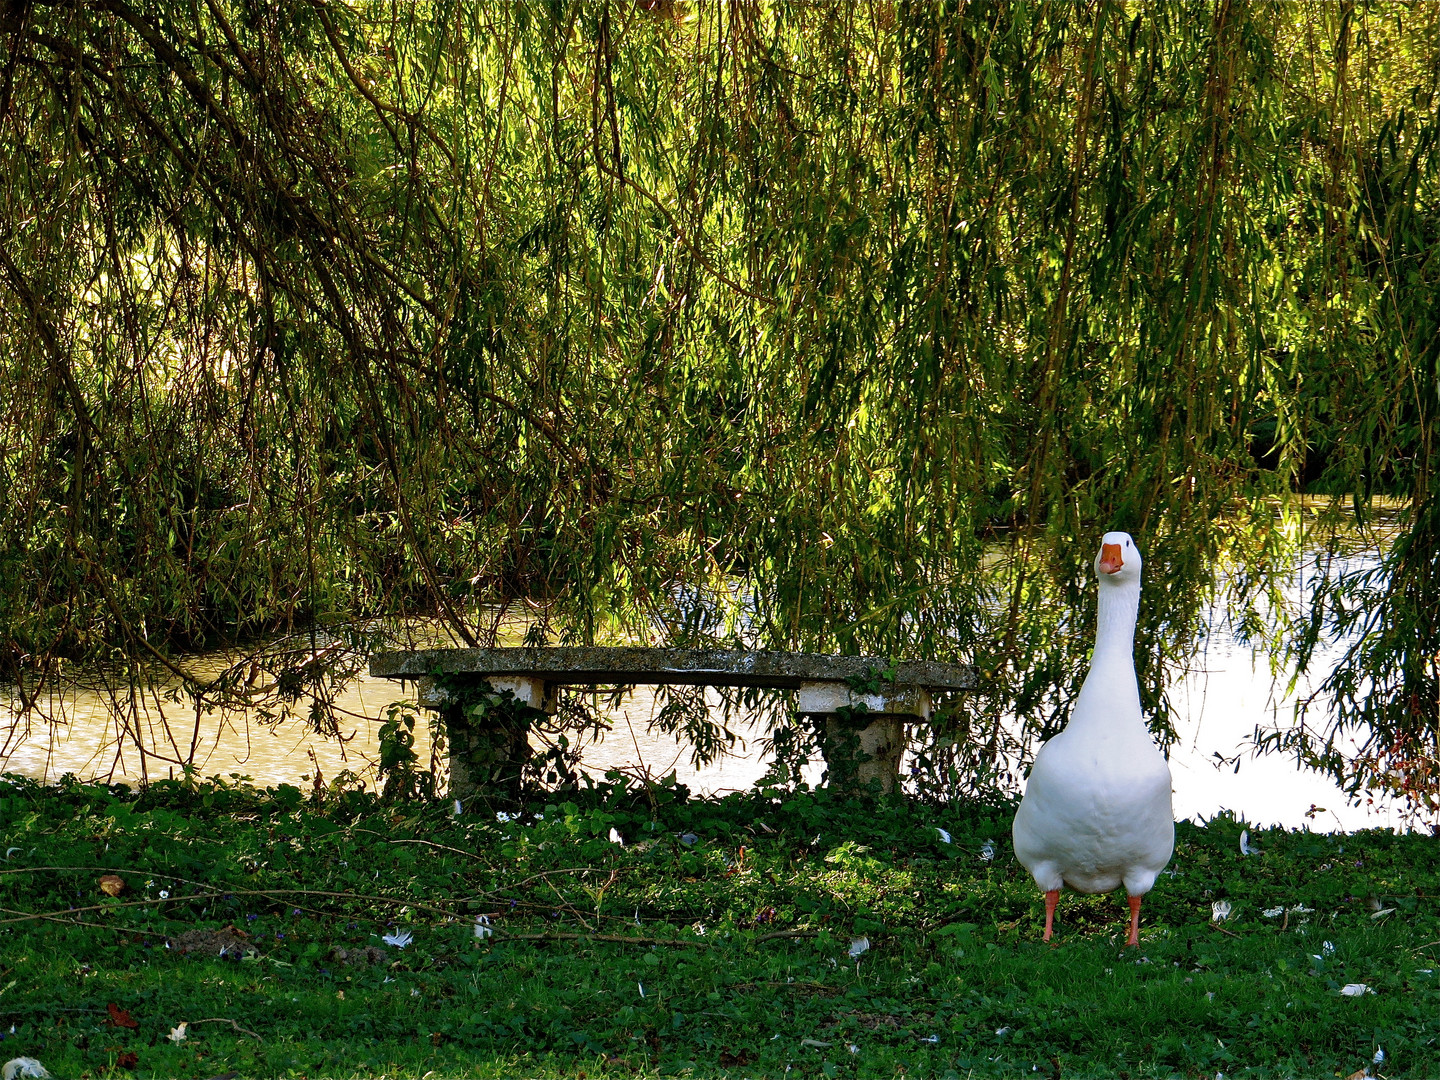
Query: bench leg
{"type": "Point", "coordinates": [862, 736]}
{"type": "Point", "coordinates": [485, 762]}
{"type": "Point", "coordinates": [488, 754]}
{"type": "Point", "coordinates": [857, 756]}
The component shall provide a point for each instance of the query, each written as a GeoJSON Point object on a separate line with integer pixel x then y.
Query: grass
{"type": "Point", "coordinates": [738, 918]}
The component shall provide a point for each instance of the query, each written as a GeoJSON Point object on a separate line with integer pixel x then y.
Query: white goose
{"type": "Point", "coordinates": [1096, 812]}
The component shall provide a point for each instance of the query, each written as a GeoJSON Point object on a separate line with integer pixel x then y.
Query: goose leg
{"type": "Point", "coordinates": [1134, 938]}
{"type": "Point", "coordinates": [1051, 899]}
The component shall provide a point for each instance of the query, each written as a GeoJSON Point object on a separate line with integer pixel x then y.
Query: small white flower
{"type": "Point", "coordinates": [1301, 909]}
{"type": "Point", "coordinates": [858, 946]}
{"type": "Point", "coordinates": [987, 850]}
{"type": "Point", "coordinates": [164, 894]}
{"type": "Point", "coordinates": [414, 991]}
{"type": "Point", "coordinates": [1220, 910]}
{"type": "Point", "coordinates": [482, 926]}
{"type": "Point", "coordinates": [944, 836]}
{"type": "Point", "coordinates": [1273, 912]}
{"type": "Point", "coordinates": [1245, 848]}
{"type": "Point", "coordinates": [853, 1049]}
{"type": "Point", "coordinates": [1328, 948]}
{"type": "Point", "coordinates": [399, 939]}
{"type": "Point", "coordinates": [177, 1033]}
{"type": "Point", "coordinates": [1355, 990]}
{"type": "Point", "coordinates": [616, 838]}
{"type": "Point", "coordinates": [504, 818]}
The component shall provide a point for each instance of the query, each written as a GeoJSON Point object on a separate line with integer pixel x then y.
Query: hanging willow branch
{"type": "Point", "coordinates": [835, 327]}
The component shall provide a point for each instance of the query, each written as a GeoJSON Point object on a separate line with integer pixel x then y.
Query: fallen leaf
{"type": "Point", "coordinates": [128, 1060]}
{"type": "Point", "coordinates": [112, 885]}
{"type": "Point", "coordinates": [177, 1033]}
{"type": "Point", "coordinates": [1355, 990]}
{"type": "Point", "coordinates": [121, 1017]}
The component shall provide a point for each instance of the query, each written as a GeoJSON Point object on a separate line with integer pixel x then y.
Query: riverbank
{"type": "Point", "coordinates": [743, 937]}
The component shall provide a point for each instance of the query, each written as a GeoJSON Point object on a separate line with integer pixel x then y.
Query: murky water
{"type": "Point", "coordinates": [1222, 704]}
{"type": "Point", "coordinates": [96, 742]}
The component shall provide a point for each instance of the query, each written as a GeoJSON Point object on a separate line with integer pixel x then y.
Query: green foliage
{"type": "Point", "coordinates": [808, 326]}
{"type": "Point", "coordinates": [673, 962]}
{"type": "Point", "coordinates": [872, 680]}
{"type": "Point", "coordinates": [400, 772]}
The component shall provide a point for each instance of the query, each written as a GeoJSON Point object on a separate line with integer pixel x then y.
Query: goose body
{"type": "Point", "coordinates": [1096, 813]}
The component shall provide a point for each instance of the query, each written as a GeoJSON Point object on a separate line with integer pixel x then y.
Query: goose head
{"type": "Point", "coordinates": [1118, 562]}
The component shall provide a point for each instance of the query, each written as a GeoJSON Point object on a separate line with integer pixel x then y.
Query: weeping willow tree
{"type": "Point", "coordinates": [829, 327]}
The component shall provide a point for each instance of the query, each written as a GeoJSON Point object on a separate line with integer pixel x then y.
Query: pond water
{"type": "Point", "coordinates": [1220, 705]}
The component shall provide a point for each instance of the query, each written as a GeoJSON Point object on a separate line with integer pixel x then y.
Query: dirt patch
{"type": "Point", "coordinates": [229, 942]}
{"type": "Point", "coordinates": [360, 957]}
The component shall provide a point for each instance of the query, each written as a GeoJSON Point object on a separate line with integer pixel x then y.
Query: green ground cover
{"type": "Point", "coordinates": [717, 941]}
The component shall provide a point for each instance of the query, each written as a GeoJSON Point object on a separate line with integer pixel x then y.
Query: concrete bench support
{"type": "Point", "coordinates": [487, 759]}
{"type": "Point", "coordinates": [862, 735]}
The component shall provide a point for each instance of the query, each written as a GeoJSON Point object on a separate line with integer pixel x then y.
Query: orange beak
{"type": "Point", "coordinates": [1110, 561]}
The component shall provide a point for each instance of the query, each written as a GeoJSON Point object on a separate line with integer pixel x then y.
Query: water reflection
{"type": "Point", "coordinates": [1221, 704]}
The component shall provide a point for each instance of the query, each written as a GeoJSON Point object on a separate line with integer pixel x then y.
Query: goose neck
{"type": "Point", "coordinates": [1109, 700]}
{"type": "Point", "coordinates": [1119, 605]}
{"type": "Point", "coordinates": [1113, 658]}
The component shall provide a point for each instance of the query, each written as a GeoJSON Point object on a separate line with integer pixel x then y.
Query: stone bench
{"type": "Point", "coordinates": [862, 733]}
